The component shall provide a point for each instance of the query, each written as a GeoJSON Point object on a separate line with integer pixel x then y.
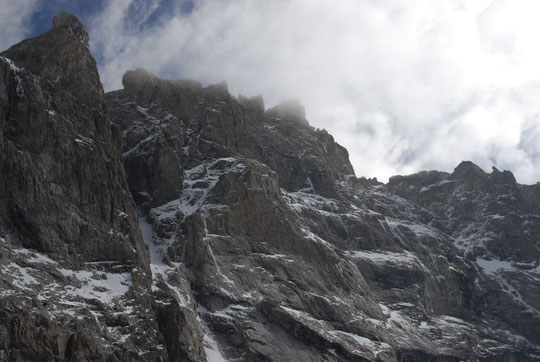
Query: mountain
{"type": "Point", "coordinates": [172, 221]}
{"type": "Point", "coordinates": [74, 268]}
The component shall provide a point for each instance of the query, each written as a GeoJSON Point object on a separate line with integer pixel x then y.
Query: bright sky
{"type": "Point", "coordinates": [404, 85]}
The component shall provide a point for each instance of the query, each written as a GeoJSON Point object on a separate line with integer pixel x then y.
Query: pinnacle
{"type": "Point", "coordinates": [65, 19]}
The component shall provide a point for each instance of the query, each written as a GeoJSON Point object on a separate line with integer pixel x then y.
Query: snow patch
{"type": "Point", "coordinates": [373, 346]}
{"type": "Point", "coordinates": [302, 316]}
{"type": "Point", "coordinates": [385, 257]}
{"type": "Point", "coordinates": [493, 266]}
{"type": "Point", "coordinates": [427, 188]}
{"type": "Point", "coordinates": [223, 276]}
{"type": "Point", "coordinates": [418, 229]}
{"type": "Point", "coordinates": [303, 199]}
{"type": "Point", "coordinates": [496, 268]}
{"type": "Point", "coordinates": [211, 347]}
{"type": "Point", "coordinates": [158, 268]}
{"type": "Point", "coordinates": [103, 286]}
{"type": "Point", "coordinates": [33, 257]}
{"type": "Point", "coordinates": [21, 276]}
{"type": "Point", "coordinates": [310, 235]}
{"type": "Point", "coordinates": [15, 71]}
{"type": "Point", "coordinates": [85, 141]}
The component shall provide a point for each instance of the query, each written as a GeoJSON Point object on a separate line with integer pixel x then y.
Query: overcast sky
{"type": "Point", "coordinates": [404, 85]}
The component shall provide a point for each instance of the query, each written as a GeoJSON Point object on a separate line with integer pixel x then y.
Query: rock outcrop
{"type": "Point", "coordinates": [74, 269]}
{"type": "Point", "coordinates": [173, 221]}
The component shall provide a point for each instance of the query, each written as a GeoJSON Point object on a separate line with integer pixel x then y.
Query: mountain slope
{"type": "Point", "coordinates": [289, 256]}
{"type": "Point", "coordinates": [172, 221]}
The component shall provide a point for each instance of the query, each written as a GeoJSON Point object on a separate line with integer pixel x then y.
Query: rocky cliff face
{"type": "Point", "coordinates": [288, 256]}
{"type": "Point", "coordinates": [261, 244]}
{"type": "Point", "coordinates": [494, 222]}
{"type": "Point", "coordinates": [74, 268]}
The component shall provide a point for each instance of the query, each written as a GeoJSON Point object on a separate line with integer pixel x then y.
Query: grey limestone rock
{"type": "Point", "coordinates": [172, 221]}
{"type": "Point", "coordinates": [73, 260]}
{"type": "Point", "coordinates": [290, 257]}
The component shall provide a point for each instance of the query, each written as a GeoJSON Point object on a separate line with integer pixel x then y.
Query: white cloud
{"type": "Point", "coordinates": [14, 18]}
{"type": "Point", "coordinates": [404, 85]}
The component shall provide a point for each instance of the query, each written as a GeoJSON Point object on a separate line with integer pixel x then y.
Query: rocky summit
{"type": "Point", "coordinates": [169, 221]}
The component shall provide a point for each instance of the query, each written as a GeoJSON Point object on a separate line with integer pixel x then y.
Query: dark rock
{"type": "Point", "coordinates": [487, 216]}
{"type": "Point", "coordinates": [65, 207]}
{"type": "Point", "coordinates": [63, 188]}
{"type": "Point", "coordinates": [261, 244]}
{"type": "Point", "coordinates": [181, 332]}
{"type": "Point", "coordinates": [211, 123]}
{"type": "Point", "coordinates": [281, 242]}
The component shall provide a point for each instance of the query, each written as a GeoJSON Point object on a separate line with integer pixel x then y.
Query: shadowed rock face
{"type": "Point", "coordinates": [261, 244]}
{"type": "Point", "coordinates": [74, 269]}
{"type": "Point", "coordinates": [494, 221]}
{"type": "Point", "coordinates": [469, 198]}
{"type": "Point", "coordinates": [62, 56]}
{"type": "Point", "coordinates": [288, 256]}
{"type": "Point", "coordinates": [62, 182]}
{"type": "Point", "coordinates": [225, 127]}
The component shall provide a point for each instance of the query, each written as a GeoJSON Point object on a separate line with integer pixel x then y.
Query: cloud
{"type": "Point", "coordinates": [403, 85]}
{"type": "Point", "coordinates": [14, 20]}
